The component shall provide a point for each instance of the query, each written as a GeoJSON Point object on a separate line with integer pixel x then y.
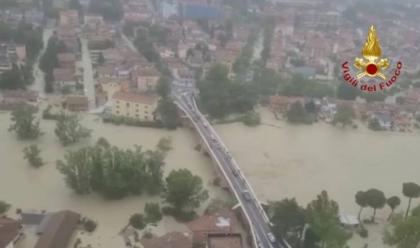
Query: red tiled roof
{"type": "Point", "coordinates": [134, 97]}
{"type": "Point", "coordinates": [63, 74]}
{"type": "Point", "coordinates": [58, 230]}
{"type": "Point", "coordinates": [169, 240]}
{"type": "Point", "coordinates": [9, 229]}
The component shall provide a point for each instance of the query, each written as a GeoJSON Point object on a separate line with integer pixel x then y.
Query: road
{"type": "Point", "coordinates": [88, 81]}
{"type": "Point", "coordinates": [39, 81]}
{"type": "Point", "coordinates": [243, 191]}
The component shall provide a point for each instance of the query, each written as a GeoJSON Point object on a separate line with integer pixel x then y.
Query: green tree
{"type": "Point", "coordinates": [405, 232]}
{"type": "Point", "coordinates": [252, 119]}
{"type": "Point", "coordinates": [286, 216]}
{"type": "Point", "coordinates": [69, 130]}
{"type": "Point", "coordinates": [344, 115]}
{"type": "Point", "coordinates": [393, 202]}
{"type": "Point", "coordinates": [184, 191]}
{"type": "Point", "coordinates": [4, 207]}
{"type": "Point", "coordinates": [410, 190]}
{"type": "Point", "coordinates": [362, 201]}
{"type": "Point", "coordinates": [168, 113]}
{"type": "Point", "coordinates": [77, 169]}
{"type": "Point", "coordinates": [347, 92]}
{"type": "Point", "coordinates": [322, 215]}
{"type": "Point", "coordinates": [153, 213]}
{"type": "Point", "coordinates": [165, 145]}
{"type": "Point", "coordinates": [12, 79]}
{"type": "Point", "coordinates": [101, 59]}
{"type": "Point", "coordinates": [23, 122]}
{"type": "Point", "coordinates": [138, 221]}
{"type": "Point", "coordinates": [32, 154]}
{"type": "Point", "coordinates": [376, 200]}
{"type": "Point", "coordinates": [163, 87]}
{"type": "Point", "coordinates": [297, 114]}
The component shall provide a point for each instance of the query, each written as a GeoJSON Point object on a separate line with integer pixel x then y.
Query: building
{"type": "Point", "coordinates": [66, 60]}
{"type": "Point", "coordinates": [224, 241]}
{"type": "Point", "coordinates": [146, 79]}
{"type": "Point", "coordinates": [76, 103]}
{"type": "Point", "coordinates": [10, 232]}
{"type": "Point", "coordinates": [64, 78]}
{"type": "Point", "coordinates": [69, 17]}
{"type": "Point", "coordinates": [169, 240]}
{"type": "Point", "coordinates": [57, 229]}
{"type": "Point", "coordinates": [133, 105]}
{"type": "Point", "coordinates": [222, 223]}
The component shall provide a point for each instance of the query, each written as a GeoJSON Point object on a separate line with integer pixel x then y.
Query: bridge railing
{"type": "Point", "coordinates": [177, 102]}
{"type": "Point", "coordinates": [236, 165]}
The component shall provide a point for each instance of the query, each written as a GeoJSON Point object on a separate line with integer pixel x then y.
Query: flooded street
{"type": "Point", "coordinates": [44, 188]}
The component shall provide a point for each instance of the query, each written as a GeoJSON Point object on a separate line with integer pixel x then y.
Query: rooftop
{"type": "Point", "coordinates": [169, 240]}
{"type": "Point", "coordinates": [9, 229]}
{"type": "Point", "coordinates": [136, 98]}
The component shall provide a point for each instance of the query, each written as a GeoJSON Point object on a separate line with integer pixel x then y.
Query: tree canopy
{"type": "Point", "coordinates": [113, 172]}
{"type": "Point", "coordinates": [32, 154]}
{"type": "Point", "coordinates": [322, 215]}
{"type": "Point", "coordinates": [220, 96]}
{"type": "Point", "coordinates": [69, 130]}
{"type": "Point", "coordinates": [375, 199]}
{"type": "Point", "coordinates": [24, 123]}
{"type": "Point", "coordinates": [405, 232]}
{"type": "Point", "coordinates": [184, 191]}
{"type": "Point", "coordinates": [410, 190]}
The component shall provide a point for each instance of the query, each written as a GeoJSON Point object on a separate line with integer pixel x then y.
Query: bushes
{"type": "Point", "coordinates": [137, 221]}
{"type": "Point", "coordinates": [153, 213]}
{"type": "Point", "coordinates": [4, 207]}
{"type": "Point", "coordinates": [89, 225]}
{"type": "Point", "coordinates": [251, 119]}
{"type": "Point", "coordinates": [363, 232]}
{"type": "Point", "coordinates": [118, 120]}
{"type": "Point", "coordinates": [183, 216]}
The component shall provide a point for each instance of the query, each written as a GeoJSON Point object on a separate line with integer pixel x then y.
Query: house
{"type": "Point", "coordinates": [69, 17]}
{"type": "Point", "coordinates": [224, 241]}
{"type": "Point", "coordinates": [9, 99]}
{"type": "Point", "coordinates": [169, 240]}
{"type": "Point", "coordinates": [66, 60]}
{"type": "Point", "coordinates": [224, 222]}
{"type": "Point", "coordinates": [57, 229]}
{"type": "Point", "coordinates": [110, 86]}
{"type": "Point", "coordinates": [146, 79]}
{"type": "Point", "coordinates": [10, 232]}
{"type": "Point", "coordinates": [134, 105]}
{"type": "Point", "coordinates": [76, 103]}
{"type": "Point", "coordinates": [64, 78]}
{"type": "Point", "coordinates": [385, 120]}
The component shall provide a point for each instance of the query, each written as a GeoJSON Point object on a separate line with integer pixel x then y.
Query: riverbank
{"type": "Point", "coordinates": [282, 160]}
{"type": "Point", "coordinates": [44, 188]}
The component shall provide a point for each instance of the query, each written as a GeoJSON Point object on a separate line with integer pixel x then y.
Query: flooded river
{"type": "Point", "coordinates": [279, 160]}
{"type": "Point", "coordinates": [44, 188]}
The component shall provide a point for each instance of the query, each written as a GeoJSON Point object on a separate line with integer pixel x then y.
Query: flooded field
{"type": "Point", "coordinates": [281, 160]}
{"type": "Point", "coordinates": [44, 188]}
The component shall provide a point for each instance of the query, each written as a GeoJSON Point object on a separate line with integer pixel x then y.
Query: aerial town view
{"type": "Point", "coordinates": [209, 124]}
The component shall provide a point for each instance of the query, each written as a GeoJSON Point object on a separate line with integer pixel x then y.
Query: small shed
{"type": "Point", "coordinates": [349, 220]}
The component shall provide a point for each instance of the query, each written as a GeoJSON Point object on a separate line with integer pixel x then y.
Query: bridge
{"type": "Point", "coordinates": [255, 215]}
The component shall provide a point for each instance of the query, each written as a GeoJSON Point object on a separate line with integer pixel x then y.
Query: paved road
{"type": "Point", "coordinates": [243, 192]}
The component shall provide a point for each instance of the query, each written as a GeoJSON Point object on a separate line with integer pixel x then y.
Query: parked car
{"type": "Point", "coordinates": [247, 195]}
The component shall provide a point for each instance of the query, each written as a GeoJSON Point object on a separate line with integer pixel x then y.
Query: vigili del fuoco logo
{"type": "Point", "coordinates": [371, 73]}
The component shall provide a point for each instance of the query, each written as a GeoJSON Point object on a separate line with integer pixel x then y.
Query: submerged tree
{"type": "Point", "coordinates": [322, 215]}
{"type": "Point", "coordinates": [393, 202]}
{"type": "Point", "coordinates": [184, 191]}
{"type": "Point", "coordinates": [69, 130]}
{"type": "Point", "coordinates": [24, 123]}
{"type": "Point", "coordinates": [31, 153]}
{"type": "Point", "coordinates": [375, 199]}
{"type": "Point", "coordinates": [361, 200]}
{"type": "Point", "coordinates": [410, 190]}
{"type": "Point", "coordinates": [405, 232]}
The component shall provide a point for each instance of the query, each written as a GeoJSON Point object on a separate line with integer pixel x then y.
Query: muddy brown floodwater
{"type": "Point", "coordinates": [282, 160]}
{"type": "Point", "coordinates": [44, 188]}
